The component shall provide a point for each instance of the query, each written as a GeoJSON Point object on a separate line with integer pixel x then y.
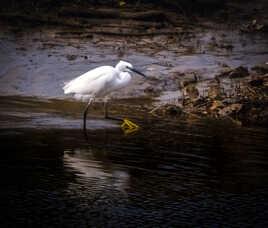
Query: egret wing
{"type": "Point", "coordinates": [92, 82]}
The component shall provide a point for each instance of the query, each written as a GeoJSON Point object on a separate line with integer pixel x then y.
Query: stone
{"type": "Point", "coordinates": [192, 91]}
{"type": "Point", "coordinates": [189, 78]}
{"type": "Point", "coordinates": [216, 105]}
{"type": "Point", "coordinates": [224, 72]}
{"type": "Point", "coordinates": [214, 91]}
{"type": "Point", "coordinates": [239, 72]}
{"type": "Point", "coordinates": [261, 68]}
{"type": "Point", "coordinates": [230, 109]}
{"type": "Point", "coordinates": [71, 57]}
{"type": "Point", "coordinates": [173, 110]}
{"type": "Point", "coordinates": [259, 81]}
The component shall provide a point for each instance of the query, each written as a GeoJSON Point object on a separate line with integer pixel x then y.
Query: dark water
{"type": "Point", "coordinates": [167, 174]}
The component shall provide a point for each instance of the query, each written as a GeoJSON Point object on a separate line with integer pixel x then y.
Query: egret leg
{"type": "Point", "coordinates": [106, 108]}
{"type": "Point", "coordinates": [85, 112]}
{"type": "Point", "coordinates": [106, 116]}
{"type": "Point", "coordinates": [127, 124]}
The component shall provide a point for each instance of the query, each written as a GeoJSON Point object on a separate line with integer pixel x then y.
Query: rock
{"type": "Point", "coordinates": [252, 26]}
{"type": "Point", "coordinates": [189, 78]}
{"type": "Point", "coordinates": [167, 110]}
{"type": "Point", "coordinates": [71, 57]}
{"type": "Point", "coordinates": [259, 81]}
{"type": "Point", "coordinates": [216, 105]}
{"type": "Point", "coordinates": [233, 121]}
{"type": "Point", "coordinates": [224, 72]}
{"type": "Point", "coordinates": [224, 65]}
{"type": "Point", "coordinates": [230, 109]}
{"type": "Point", "coordinates": [192, 91]}
{"type": "Point", "coordinates": [214, 91]}
{"type": "Point", "coordinates": [239, 72]}
{"type": "Point", "coordinates": [261, 68]}
{"type": "Point", "coordinates": [173, 110]}
{"type": "Point", "coordinates": [265, 81]}
{"type": "Point", "coordinates": [186, 102]}
{"type": "Point", "coordinates": [152, 90]}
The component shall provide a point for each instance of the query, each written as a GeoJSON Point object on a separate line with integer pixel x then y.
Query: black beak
{"type": "Point", "coordinates": [137, 72]}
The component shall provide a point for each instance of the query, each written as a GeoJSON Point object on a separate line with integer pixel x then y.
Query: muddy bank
{"type": "Point", "coordinates": [188, 57]}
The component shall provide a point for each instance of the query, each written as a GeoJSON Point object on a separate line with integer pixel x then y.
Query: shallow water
{"type": "Point", "coordinates": [166, 174]}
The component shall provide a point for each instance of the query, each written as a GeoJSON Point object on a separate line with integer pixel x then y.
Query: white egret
{"type": "Point", "coordinates": [100, 82]}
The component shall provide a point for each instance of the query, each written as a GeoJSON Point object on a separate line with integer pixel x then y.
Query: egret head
{"type": "Point", "coordinates": [123, 66]}
{"type": "Point", "coordinates": [127, 67]}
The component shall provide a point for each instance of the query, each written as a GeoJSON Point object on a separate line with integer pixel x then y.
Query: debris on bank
{"type": "Point", "coordinates": [246, 104]}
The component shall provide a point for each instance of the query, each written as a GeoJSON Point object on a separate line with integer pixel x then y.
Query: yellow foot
{"type": "Point", "coordinates": [129, 127]}
{"type": "Point", "coordinates": [129, 124]}
{"type": "Point", "coordinates": [129, 130]}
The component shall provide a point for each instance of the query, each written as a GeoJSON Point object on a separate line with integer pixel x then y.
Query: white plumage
{"type": "Point", "coordinates": [100, 82]}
